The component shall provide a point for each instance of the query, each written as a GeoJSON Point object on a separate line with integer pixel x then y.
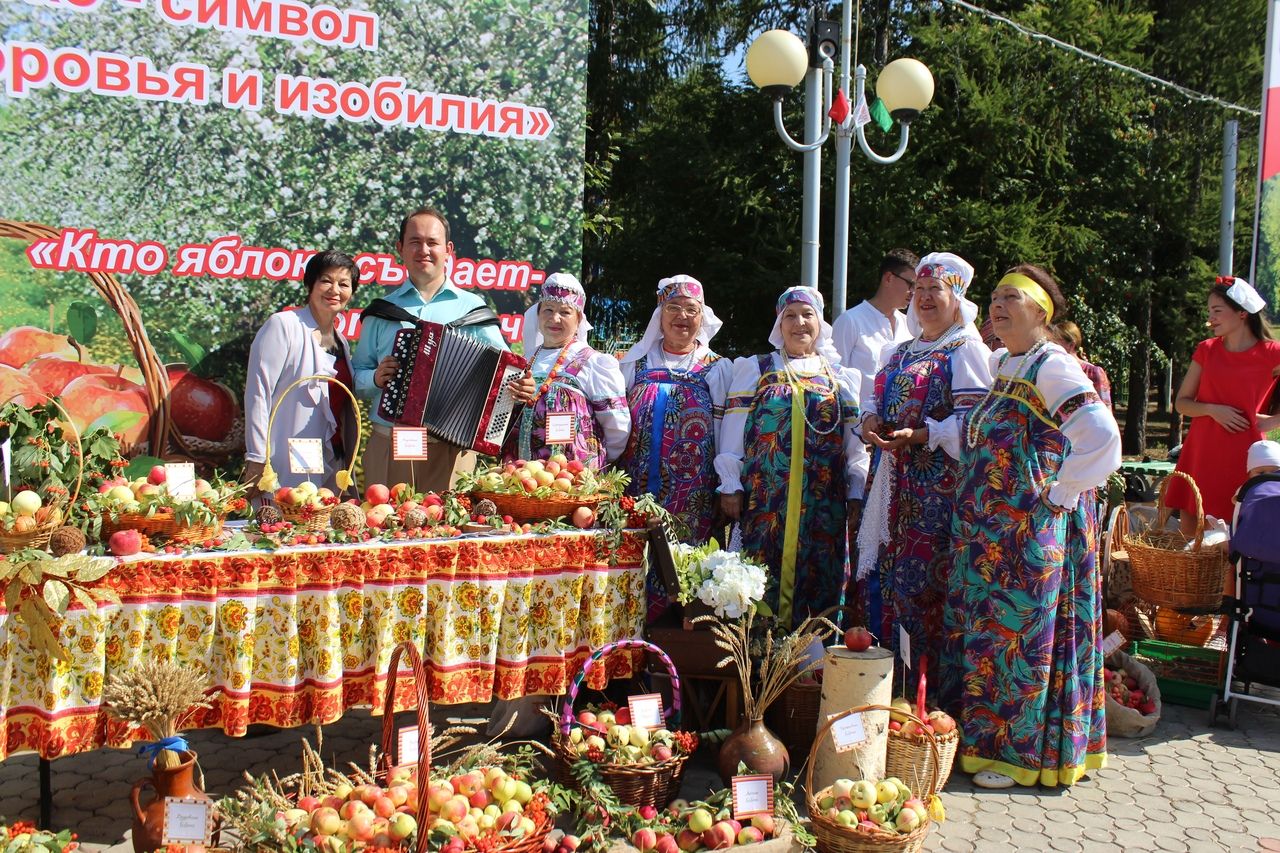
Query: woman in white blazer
{"type": "Point", "coordinates": [293, 344]}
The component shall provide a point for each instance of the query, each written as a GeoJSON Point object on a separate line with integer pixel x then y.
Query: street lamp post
{"type": "Point", "coordinates": [776, 62]}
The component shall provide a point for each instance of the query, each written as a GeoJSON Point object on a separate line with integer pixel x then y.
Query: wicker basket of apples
{"type": "Point", "coordinates": [533, 490]}
{"type": "Point", "coordinates": [643, 767]}
{"type": "Point", "coordinates": [704, 824]}
{"type": "Point", "coordinates": [147, 506]}
{"type": "Point", "coordinates": [306, 506]}
{"type": "Point", "coordinates": [868, 816]}
{"type": "Point", "coordinates": [915, 742]}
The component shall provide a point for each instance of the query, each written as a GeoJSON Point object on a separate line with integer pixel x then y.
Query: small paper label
{"type": "Point", "coordinates": [848, 732]}
{"type": "Point", "coordinates": [306, 456]}
{"type": "Point", "coordinates": [408, 443]}
{"type": "Point", "coordinates": [407, 745]}
{"type": "Point", "coordinates": [1113, 641]}
{"type": "Point", "coordinates": [904, 646]}
{"type": "Point", "coordinates": [646, 710]}
{"type": "Point", "coordinates": [186, 821]}
{"type": "Point", "coordinates": [180, 480]}
{"type": "Point", "coordinates": [561, 427]}
{"type": "Point", "coordinates": [752, 795]}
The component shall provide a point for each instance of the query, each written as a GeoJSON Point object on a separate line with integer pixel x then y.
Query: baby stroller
{"type": "Point", "coordinates": [1253, 656]}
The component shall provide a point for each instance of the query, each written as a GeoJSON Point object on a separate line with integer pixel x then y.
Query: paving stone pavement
{"type": "Point", "coordinates": [1185, 789]}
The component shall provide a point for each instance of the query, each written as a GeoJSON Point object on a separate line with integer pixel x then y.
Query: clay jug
{"type": "Point", "coordinates": [755, 746]}
{"type": "Point", "coordinates": [148, 821]}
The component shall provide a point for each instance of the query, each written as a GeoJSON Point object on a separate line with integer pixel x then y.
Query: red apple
{"type": "Point", "coordinates": [53, 372]}
{"type": "Point", "coordinates": [157, 475]}
{"type": "Point", "coordinates": [719, 837]}
{"type": "Point", "coordinates": [94, 395]}
{"type": "Point", "coordinates": [645, 839]}
{"type": "Point", "coordinates": [377, 493]}
{"type": "Point", "coordinates": [858, 639]}
{"type": "Point", "coordinates": [22, 343]}
{"type": "Point", "coordinates": [125, 543]}
{"type": "Point", "coordinates": [200, 407]}
{"type": "Point", "coordinates": [284, 496]}
{"type": "Point", "coordinates": [19, 386]}
{"type": "Point", "coordinates": [583, 517]}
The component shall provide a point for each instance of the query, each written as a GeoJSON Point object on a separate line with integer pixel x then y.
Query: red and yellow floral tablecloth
{"type": "Point", "coordinates": [297, 637]}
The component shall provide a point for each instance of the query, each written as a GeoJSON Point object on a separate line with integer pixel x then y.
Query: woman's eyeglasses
{"type": "Point", "coordinates": [677, 311]}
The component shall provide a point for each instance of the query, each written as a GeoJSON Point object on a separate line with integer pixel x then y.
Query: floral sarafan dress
{"type": "Point", "coordinates": [1022, 646]}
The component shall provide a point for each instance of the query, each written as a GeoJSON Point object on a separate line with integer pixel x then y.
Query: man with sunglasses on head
{"type": "Point", "coordinates": [866, 333]}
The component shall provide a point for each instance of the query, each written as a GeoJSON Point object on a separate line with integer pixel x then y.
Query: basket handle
{"type": "Point", "coordinates": [1120, 529]}
{"type": "Point", "coordinates": [672, 714]}
{"type": "Point", "coordinates": [74, 495]}
{"type": "Point", "coordinates": [1166, 512]}
{"type": "Point", "coordinates": [345, 477]}
{"type": "Point", "coordinates": [826, 727]}
{"type": "Point", "coordinates": [424, 729]}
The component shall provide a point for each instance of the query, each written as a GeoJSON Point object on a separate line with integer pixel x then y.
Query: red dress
{"type": "Point", "coordinates": [1213, 457]}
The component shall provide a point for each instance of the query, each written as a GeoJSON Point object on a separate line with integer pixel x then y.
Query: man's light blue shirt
{"type": "Point", "coordinates": [378, 335]}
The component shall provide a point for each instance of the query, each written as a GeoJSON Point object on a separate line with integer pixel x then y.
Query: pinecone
{"type": "Point", "coordinates": [415, 518]}
{"type": "Point", "coordinates": [346, 517]}
{"type": "Point", "coordinates": [485, 507]}
{"type": "Point", "coordinates": [269, 514]}
{"type": "Point", "coordinates": [66, 540]}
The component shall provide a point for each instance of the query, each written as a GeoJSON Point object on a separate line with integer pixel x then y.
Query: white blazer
{"type": "Point", "coordinates": [285, 350]}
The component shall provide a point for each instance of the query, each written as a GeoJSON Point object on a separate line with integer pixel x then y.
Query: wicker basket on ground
{"type": "Point", "coordinates": [836, 838]}
{"type": "Point", "coordinates": [912, 756]}
{"type": "Point", "coordinates": [639, 785]}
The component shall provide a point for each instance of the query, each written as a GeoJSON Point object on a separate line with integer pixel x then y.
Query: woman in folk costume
{"type": "Point", "coordinates": [787, 438]}
{"type": "Point", "coordinates": [676, 388]}
{"type": "Point", "coordinates": [574, 383]}
{"type": "Point", "coordinates": [928, 383]}
{"type": "Point", "coordinates": [1023, 620]}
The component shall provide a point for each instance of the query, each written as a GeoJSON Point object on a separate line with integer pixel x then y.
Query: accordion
{"type": "Point", "coordinates": [455, 385]}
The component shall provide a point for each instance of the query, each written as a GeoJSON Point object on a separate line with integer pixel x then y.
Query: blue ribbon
{"type": "Point", "coordinates": [654, 483]}
{"type": "Point", "coordinates": [176, 743]}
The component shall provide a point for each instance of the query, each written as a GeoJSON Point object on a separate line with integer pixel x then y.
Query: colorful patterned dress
{"type": "Point", "coordinates": [821, 567]}
{"type": "Point", "coordinates": [588, 385]}
{"type": "Point", "coordinates": [914, 566]}
{"type": "Point", "coordinates": [1023, 653]}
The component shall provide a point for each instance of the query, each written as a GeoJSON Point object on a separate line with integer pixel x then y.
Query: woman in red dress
{"type": "Point", "coordinates": [1226, 392]}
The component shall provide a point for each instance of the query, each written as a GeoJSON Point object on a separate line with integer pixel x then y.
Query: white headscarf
{"type": "Point", "coordinates": [954, 271]}
{"type": "Point", "coordinates": [1242, 293]}
{"type": "Point", "coordinates": [810, 296]}
{"type": "Point", "coordinates": [668, 289]}
{"type": "Point", "coordinates": [563, 289]}
{"type": "Point", "coordinates": [1262, 453]}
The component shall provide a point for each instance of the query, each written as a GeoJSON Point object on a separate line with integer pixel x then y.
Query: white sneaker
{"type": "Point", "coordinates": [991, 779]}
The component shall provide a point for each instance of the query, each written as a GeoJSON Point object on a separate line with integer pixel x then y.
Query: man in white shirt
{"type": "Point", "coordinates": [866, 334]}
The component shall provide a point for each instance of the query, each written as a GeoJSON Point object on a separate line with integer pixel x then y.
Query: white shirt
{"type": "Point", "coordinates": [733, 429]}
{"type": "Point", "coordinates": [864, 338]}
{"type": "Point", "coordinates": [601, 382]}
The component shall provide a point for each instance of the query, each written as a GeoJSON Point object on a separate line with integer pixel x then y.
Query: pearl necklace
{"type": "Point", "coordinates": [913, 355]}
{"type": "Point", "coordinates": [979, 412]}
{"type": "Point", "coordinates": [685, 362]}
{"type": "Point", "coordinates": [798, 386]}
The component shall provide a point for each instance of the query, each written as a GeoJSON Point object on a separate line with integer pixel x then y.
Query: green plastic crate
{"type": "Point", "coordinates": [1188, 675]}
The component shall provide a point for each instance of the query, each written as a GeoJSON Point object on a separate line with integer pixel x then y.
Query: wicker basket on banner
{"type": "Point", "coordinates": [38, 537]}
{"type": "Point", "coordinates": [636, 784]}
{"type": "Point", "coordinates": [530, 843]}
{"type": "Point", "coordinates": [835, 838]}
{"type": "Point", "coordinates": [525, 508]}
{"type": "Point", "coordinates": [310, 519]}
{"type": "Point", "coordinates": [1168, 569]}
{"type": "Point", "coordinates": [155, 379]}
{"type": "Point", "coordinates": [794, 717]}
{"type": "Point", "coordinates": [912, 757]}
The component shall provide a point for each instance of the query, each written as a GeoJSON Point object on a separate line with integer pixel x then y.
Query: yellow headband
{"type": "Point", "coordinates": [1032, 288]}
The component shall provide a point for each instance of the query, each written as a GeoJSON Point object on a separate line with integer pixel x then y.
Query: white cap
{"type": "Point", "coordinates": [1263, 453]}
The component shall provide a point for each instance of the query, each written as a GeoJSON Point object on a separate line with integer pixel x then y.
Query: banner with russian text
{"type": "Point", "coordinates": [189, 156]}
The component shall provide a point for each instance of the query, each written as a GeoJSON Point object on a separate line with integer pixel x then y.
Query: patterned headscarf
{"type": "Point", "coordinates": [668, 289]}
{"type": "Point", "coordinates": [955, 272]}
{"type": "Point", "coordinates": [562, 289]}
{"type": "Point", "coordinates": [809, 296]}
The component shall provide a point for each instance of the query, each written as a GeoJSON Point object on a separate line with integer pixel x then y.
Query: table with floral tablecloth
{"type": "Point", "coordinates": [298, 636]}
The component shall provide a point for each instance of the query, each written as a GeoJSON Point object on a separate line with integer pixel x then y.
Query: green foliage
{"type": "Point", "coordinates": [44, 456]}
{"type": "Point", "coordinates": [82, 321]}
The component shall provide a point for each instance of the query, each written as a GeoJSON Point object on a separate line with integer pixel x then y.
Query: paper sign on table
{"type": "Point", "coordinates": [646, 710]}
{"type": "Point", "coordinates": [306, 456]}
{"type": "Point", "coordinates": [408, 443]}
{"type": "Point", "coordinates": [1113, 641]}
{"type": "Point", "coordinates": [187, 821]}
{"type": "Point", "coordinates": [752, 795]}
{"type": "Point", "coordinates": [848, 732]}
{"type": "Point", "coordinates": [561, 427]}
{"type": "Point", "coordinates": [407, 745]}
{"type": "Point", "coordinates": [180, 480]}
{"type": "Point", "coordinates": [904, 645]}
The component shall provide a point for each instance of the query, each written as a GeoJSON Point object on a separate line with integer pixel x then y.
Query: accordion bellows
{"type": "Point", "coordinates": [455, 385]}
